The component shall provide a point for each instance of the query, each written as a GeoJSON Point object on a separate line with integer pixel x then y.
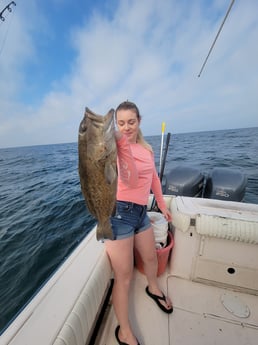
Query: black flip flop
{"type": "Point", "coordinates": [117, 337]}
{"type": "Point", "coordinates": [157, 299]}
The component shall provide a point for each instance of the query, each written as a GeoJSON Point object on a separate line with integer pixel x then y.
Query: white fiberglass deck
{"type": "Point", "coordinates": [199, 315]}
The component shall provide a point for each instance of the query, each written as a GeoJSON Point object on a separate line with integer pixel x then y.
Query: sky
{"type": "Point", "coordinates": [59, 56]}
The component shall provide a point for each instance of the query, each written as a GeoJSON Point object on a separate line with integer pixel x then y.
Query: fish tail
{"type": "Point", "coordinates": [104, 231]}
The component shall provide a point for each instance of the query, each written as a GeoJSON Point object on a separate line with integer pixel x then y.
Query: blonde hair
{"type": "Point", "coordinates": [132, 106]}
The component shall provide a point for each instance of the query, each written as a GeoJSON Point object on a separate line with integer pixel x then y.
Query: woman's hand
{"type": "Point", "coordinates": [167, 214]}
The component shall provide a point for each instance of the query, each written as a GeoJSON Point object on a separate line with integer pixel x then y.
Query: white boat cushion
{"type": "Point", "coordinates": [223, 219]}
{"type": "Point", "coordinates": [80, 322]}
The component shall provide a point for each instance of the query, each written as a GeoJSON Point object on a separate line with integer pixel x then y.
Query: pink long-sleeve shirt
{"type": "Point", "coordinates": [137, 174]}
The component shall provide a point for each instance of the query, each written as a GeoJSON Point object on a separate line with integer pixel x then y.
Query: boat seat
{"type": "Point", "coordinates": [220, 239]}
{"type": "Point", "coordinates": [215, 218]}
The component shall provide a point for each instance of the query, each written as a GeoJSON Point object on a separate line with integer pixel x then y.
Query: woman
{"type": "Point", "coordinates": [131, 225]}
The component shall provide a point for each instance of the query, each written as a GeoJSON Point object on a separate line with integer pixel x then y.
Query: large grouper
{"type": "Point", "coordinates": [97, 168]}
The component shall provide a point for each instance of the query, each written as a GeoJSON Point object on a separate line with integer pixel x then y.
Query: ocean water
{"type": "Point", "coordinates": [43, 216]}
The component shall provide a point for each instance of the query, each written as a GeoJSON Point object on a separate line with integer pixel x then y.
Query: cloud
{"type": "Point", "coordinates": [150, 52]}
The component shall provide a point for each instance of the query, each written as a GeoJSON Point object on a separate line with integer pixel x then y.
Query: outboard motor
{"type": "Point", "coordinates": [184, 181]}
{"type": "Point", "coordinates": [225, 184]}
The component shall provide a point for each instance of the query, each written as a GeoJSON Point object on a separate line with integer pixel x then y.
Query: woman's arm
{"type": "Point", "coordinates": [157, 191]}
{"type": "Point", "coordinates": [126, 164]}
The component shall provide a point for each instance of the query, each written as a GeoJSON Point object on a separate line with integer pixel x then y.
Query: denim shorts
{"type": "Point", "coordinates": [129, 219]}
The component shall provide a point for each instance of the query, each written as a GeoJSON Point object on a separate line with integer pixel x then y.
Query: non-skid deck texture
{"type": "Point", "coordinates": [199, 317]}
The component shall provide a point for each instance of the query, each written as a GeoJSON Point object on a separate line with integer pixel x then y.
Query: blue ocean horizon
{"type": "Point", "coordinates": [43, 216]}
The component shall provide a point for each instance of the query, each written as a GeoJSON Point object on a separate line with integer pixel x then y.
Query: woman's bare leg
{"type": "Point", "coordinates": [145, 244]}
{"type": "Point", "coordinates": [120, 253]}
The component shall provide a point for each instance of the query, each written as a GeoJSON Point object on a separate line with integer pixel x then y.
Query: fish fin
{"type": "Point", "coordinates": [104, 231]}
{"type": "Point", "coordinates": [110, 173]}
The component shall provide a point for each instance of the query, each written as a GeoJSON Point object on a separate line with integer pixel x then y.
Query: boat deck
{"type": "Point", "coordinates": [199, 315]}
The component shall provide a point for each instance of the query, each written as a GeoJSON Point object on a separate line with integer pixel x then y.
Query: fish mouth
{"type": "Point", "coordinates": [99, 118]}
{"type": "Point", "coordinates": [106, 122]}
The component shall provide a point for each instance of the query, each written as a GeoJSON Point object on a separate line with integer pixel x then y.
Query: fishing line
{"type": "Point", "coordinates": [5, 37]}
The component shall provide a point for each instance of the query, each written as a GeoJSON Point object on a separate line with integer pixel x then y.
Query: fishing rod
{"type": "Point", "coordinates": [2, 19]}
{"type": "Point", "coordinates": [164, 159]}
{"type": "Point", "coordinates": [162, 168]}
{"type": "Point", "coordinates": [161, 145]}
{"type": "Point", "coordinates": [213, 44]}
{"type": "Point", "coordinates": [7, 8]}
